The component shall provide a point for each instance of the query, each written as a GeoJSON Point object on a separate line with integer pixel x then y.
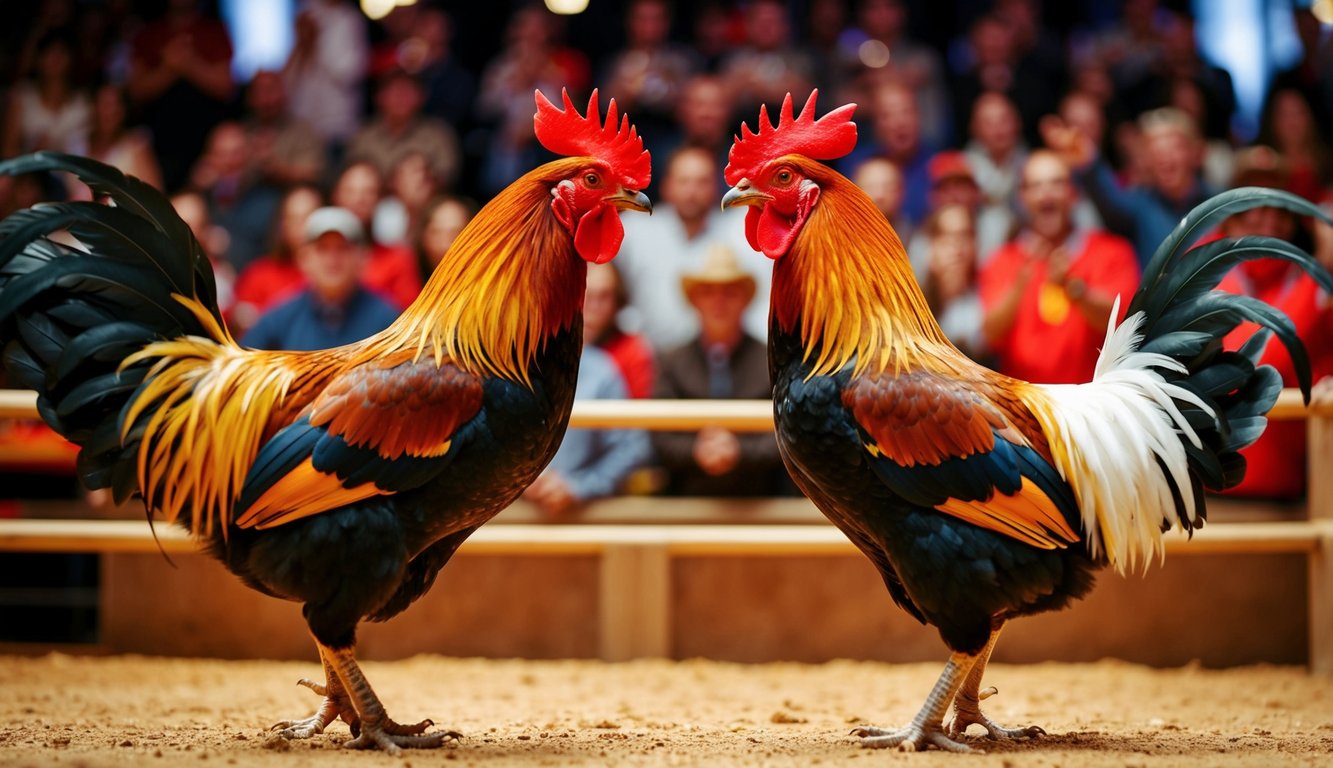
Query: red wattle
{"type": "Point", "coordinates": [774, 233]}
{"type": "Point", "coordinates": [599, 234]}
{"type": "Point", "coordinates": [752, 226]}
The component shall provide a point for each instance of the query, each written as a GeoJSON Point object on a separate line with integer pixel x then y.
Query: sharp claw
{"type": "Point", "coordinates": [913, 738]}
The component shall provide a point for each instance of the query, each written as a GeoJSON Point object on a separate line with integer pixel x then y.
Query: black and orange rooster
{"type": "Point", "coordinates": [343, 479]}
{"type": "Point", "coordinates": [981, 498]}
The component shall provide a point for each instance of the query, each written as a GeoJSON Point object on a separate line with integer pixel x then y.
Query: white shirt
{"type": "Point", "coordinates": [325, 91]}
{"type": "Point", "coordinates": [654, 256]}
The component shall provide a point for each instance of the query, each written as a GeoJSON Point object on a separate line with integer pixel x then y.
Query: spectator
{"type": "Point", "coordinates": [193, 210]}
{"type": "Point", "coordinates": [896, 134]}
{"type": "Point", "coordinates": [1180, 64]}
{"type": "Point", "coordinates": [716, 28]}
{"type": "Point", "coordinates": [1290, 128]}
{"type": "Point", "coordinates": [647, 75]}
{"type": "Point", "coordinates": [951, 278]}
{"type": "Point", "coordinates": [1145, 213]}
{"type": "Point", "coordinates": [591, 463]}
{"type": "Point", "coordinates": [603, 301]}
{"type": "Point", "coordinates": [1217, 161]}
{"type": "Point", "coordinates": [399, 214]}
{"type": "Point", "coordinates": [657, 250]}
{"type": "Point", "coordinates": [48, 111]}
{"type": "Point", "coordinates": [531, 60]}
{"type": "Point", "coordinates": [180, 77]}
{"type": "Point", "coordinates": [237, 200]}
{"type": "Point", "coordinates": [703, 116]}
{"type": "Point", "coordinates": [825, 22]}
{"type": "Point", "coordinates": [326, 69]}
{"type": "Point", "coordinates": [995, 150]}
{"type": "Point", "coordinates": [109, 140]}
{"type": "Point", "coordinates": [1277, 466]}
{"type": "Point", "coordinates": [881, 179]}
{"type": "Point", "coordinates": [392, 271]}
{"type": "Point", "coordinates": [1134, 46]}
{"type": "Point", "coordinates": [1083, 112]}
{"type": "Point", "coordinates": [996, 65]}
{"type": "Point", "coordinates": [398, 129]}
{"type": "Point", "coordinates": [450, 87]}
{"type": "Point", "coordinates": [335, 309]}
{"type": "Point", "coordinates": [275, 277]}
{"type": "Point", "coordinates": [767, 66]}
{"type": "Point", "coordinates": [722, 361]}
{"type": "Point", "coordinates": [952, 183]}
{"type": "Point", "coordinates": [1312, 74]}
{"type": "Point", "coordinates": [880, 46]}
{"type": "Point", "coordinates": [1047, 294]}
{"type": "Point", "coordinates": [283, 150]}
{"type": "Point", "coordinates": [443, 220]}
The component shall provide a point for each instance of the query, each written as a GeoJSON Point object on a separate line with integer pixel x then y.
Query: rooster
{"type": "Point", "coordinates": [343, 479]}
{"type": "Point", "coordinates": [978, 497]}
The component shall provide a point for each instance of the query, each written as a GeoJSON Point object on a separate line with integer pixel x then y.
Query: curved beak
{"type": "Point", "coordinates": [744, 194]}
{"type": "Point", "coordinates": [631, 200]}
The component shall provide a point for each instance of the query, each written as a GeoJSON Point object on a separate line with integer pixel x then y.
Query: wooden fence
{"type": "Point", "coordinates": [635, 560]}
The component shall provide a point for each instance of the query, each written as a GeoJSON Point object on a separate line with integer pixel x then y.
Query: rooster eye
{"type": "Point", "coordinates": [591, 179]}
{"type": "Point", "coordinates": [783, 176]}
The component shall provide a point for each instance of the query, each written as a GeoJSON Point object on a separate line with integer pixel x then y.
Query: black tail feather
{"type": "Point", "coordinates": [70, 313]}
{"type": "Point", "coordinates": [1186, 318]}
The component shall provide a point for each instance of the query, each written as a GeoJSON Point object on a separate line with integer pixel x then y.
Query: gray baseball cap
{"type": "Point", "coordinates": [321, 221]}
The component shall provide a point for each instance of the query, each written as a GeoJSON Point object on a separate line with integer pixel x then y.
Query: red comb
{"type": "Point", "coordinates": [566, 132]}
{"type": "Point", "coordinates": [831, 136]}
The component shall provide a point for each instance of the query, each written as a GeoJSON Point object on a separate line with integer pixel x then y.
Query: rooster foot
{"type": "Point", "coordinates": [967, 711]}
{"type": "Point", "coordinates": [913, 738]}
{"type": "Point", "coordinates": [393, 737]}
{"type": "Point", "coordinates": [336, 705]}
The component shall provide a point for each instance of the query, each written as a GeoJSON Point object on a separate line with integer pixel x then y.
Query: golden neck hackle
{"type": "Point", "coordinates": [847, 287]}
{"type": "Point", "coordinates": [509, 282]}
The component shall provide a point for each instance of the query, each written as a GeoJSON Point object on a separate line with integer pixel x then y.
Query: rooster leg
{"type": "Point", "coordinates": [927, 728]}
{"type": "Point", "coordinates": [377, 729]}
{"type": "Point", "coordinates": [967, 704]}
{"type": "Point", "coordinates": [336, 704]}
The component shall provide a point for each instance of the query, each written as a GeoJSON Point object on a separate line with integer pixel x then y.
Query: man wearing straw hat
{"type": "Point", "coordinates": [721, 362]}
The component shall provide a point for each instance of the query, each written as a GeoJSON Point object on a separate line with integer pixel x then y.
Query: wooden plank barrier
{"type": "Point", "coordinates": [636, 559]}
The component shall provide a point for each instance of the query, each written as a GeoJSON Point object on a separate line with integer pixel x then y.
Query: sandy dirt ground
{"type": "Point", "coordinates": [122, 711]}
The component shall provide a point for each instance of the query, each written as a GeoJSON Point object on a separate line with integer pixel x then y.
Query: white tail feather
{"type": "Point", "coordinates": [1108, 437]}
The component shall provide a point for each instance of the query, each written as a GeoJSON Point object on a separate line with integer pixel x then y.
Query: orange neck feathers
{"type": "Point", "coordinates": [847, 288]}
{"type": "Point", "coordinates": [509, 283]}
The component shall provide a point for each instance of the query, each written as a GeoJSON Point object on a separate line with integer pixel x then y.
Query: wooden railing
{"type": "Point", "coordinates": [635, 560]}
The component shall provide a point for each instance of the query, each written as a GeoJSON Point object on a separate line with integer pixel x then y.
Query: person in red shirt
{"type": "Point", "coordinates": [633, 355]}
{"type": "Point", "coordinates": [274, 277]}
{"type": "Point", "coordinates": [1047, 294]}
{"type": "Point", "coordinates": [1276, 463]}
{"type": "Point", "coordinates": [392, 272]}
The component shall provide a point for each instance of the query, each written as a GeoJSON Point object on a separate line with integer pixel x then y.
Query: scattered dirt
{"type": "Point", "coordinates": [122, 711]}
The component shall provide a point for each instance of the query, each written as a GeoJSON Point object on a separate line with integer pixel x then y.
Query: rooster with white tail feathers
{"type": "Point", "coordinates": [981, 498]}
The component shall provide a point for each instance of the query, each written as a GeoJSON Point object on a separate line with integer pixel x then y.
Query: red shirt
{"type": "Point", "coordinates": [392, 273]}
{"type": "Point", "coordinates": [1276, 463]}
{"type": "Point", "coordinates": [1050, 341]}
{"type": "Point", "coordinates": [266, 282]}
{"type": "Point", "coordinates": [634, 357]}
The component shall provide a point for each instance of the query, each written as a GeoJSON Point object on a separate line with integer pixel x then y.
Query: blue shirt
{"type": "Point", "coordinates": [305, 323]}
{"type": "Point", "coordinates": [1139, 213]}
{"type": "Point", "coordinates": [594, 462]}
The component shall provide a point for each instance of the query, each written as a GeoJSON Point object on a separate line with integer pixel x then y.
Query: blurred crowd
{"type": "Point", "coordinates": [1030, 156]}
